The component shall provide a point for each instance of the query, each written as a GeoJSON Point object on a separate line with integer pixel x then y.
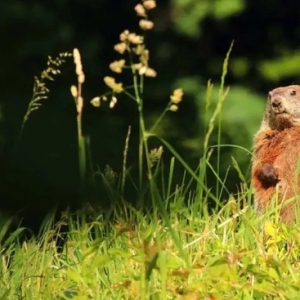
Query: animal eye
{"type": "Point", "coordinates": [293, 93]}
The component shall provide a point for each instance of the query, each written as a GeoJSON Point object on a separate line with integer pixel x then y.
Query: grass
{"type": "Point", "coordinates": [226, 256]}
{"type": "Point", "coordinates": [178, 249]}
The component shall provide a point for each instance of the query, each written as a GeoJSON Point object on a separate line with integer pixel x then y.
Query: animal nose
{"type": "Point", "coordinates": [276, 103]}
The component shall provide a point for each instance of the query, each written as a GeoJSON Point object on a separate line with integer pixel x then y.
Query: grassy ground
{"type": "Point", "coordinates": [189, 255]}
{"type": "Point", "coordinates": [177, 250]}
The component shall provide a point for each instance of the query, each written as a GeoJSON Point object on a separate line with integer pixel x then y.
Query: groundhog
{"type": "Point", "coordinates": [276, 164]}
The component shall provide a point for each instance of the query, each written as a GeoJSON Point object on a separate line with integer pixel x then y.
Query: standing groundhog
{"type": "Point", "coordinates": [276, 153]}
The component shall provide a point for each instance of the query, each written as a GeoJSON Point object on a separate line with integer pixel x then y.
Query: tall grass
{"type": "Point", "coordinates": [76, 92]}
{"type": "Point", "coordinates": [137, 258]}
{"type": "Point", "coordinates": [178, 250]}
{"type": "Point", "coordinates": [40, 90]}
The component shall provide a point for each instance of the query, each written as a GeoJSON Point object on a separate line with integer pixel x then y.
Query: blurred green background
{"type": "Point", "coordinates": [187, 47]}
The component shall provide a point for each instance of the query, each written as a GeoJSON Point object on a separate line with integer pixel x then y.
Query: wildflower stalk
{"type": "Point", "coordinates": [134, 45]}
{"type": "Point", "coordinates": [175, 98]}
{"type": "Point", "coordinates": [139, 102]}
{"type": "Point", "coordinates": [77, 94]}
{"type": "Point", "coordinates": [81, 148]}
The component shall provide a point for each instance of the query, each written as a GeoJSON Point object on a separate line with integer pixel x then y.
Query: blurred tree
{"type": "Point", "coordinates": [187, 48]}
{"type": "Point", "coordinates": [188, 13]}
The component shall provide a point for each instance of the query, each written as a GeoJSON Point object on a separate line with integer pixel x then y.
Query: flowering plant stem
{"type": "Point", "coordinates": [81, 150]}
{"type": "Point", "coordinates": [77, 94]}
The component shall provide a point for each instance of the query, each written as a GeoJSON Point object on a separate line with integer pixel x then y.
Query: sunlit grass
{"type": "Point", "coordinates": [229, 255]}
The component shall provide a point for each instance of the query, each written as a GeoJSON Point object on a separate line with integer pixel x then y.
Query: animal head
{"type": "Point", "coordinates": [283, 108]}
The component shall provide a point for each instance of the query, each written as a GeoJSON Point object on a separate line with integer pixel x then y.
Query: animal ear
{"type": "Point", "coordinates": [269, 95]}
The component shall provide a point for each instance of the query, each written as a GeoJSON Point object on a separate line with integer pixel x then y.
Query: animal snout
{"type": "Point", "coordinates": [276, 103]}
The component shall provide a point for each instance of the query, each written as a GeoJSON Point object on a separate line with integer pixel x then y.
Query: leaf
{"type": "Point", "coordinates": [101, 260]}
{"type": "Point", "coordinates": [270, 229]}
{"type": "Point", "coordinates": [119, 252]}
{"type": "Point", "coordinates": [75, 276]}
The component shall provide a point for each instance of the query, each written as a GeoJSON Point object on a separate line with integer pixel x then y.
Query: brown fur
{"type": "Point", "coordinates": [276, 152]}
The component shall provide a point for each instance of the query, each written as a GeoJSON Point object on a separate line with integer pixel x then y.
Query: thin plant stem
{"type": "Point", "coordinates": [139, 101]}
{"type": "Point", "coordinates": [159, 119]}
{"type": "Point", "coordinates": [125, 153]}
{"type": "Point", "coordinates": [81, 148]}
{"type": "Point", "coordinates": [221, 95]}
{"type": "Point", "coordinates": [79, 106]}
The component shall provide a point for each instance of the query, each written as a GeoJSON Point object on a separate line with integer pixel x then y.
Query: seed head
{"type": "Point", "coordinates": [176, 97]}
{"type": "Point", "coordinates": [142, 70]}
{"type": "Point", "coordinates": [138, 66]}
{"type": "Point", "coordinates": [74, 91]}
{"type": "Point", "coordinates": [135, 39]}
{"type": "Point", "coordinates": [173, 107]}
{"type": "Point", "coordinates": [96, 101]}
{"type": "Point", "coordinates": [113, 102]}
{"type": "Point", "coordinates": [79, 104]}
{"type": "Point", "coordinates": [76, 56]}
{"type": "Point", "coordinates": [149, 4]}
{"type": "Point", "coordinates": [78, 66]}
{"type": "Point", "coordinates": [77, 61]}
{"type": "Point", "coordinates": [78, 69]}
{"type": "Point", "coordinates": [117, 65]}
{"type": "Point", "coordinates": [124, 36]}
{"type": "Point", "coordinates": [111, 83]}
{"type": "Point", "coordinates": [140, 10]}
{"type": "Point", "coordinates": [155, 155]}
{"type": "Point", "coordinates": [121, 47]}
{"type": "Point", "coordinates": [146, 24]}
{"type": "Point", "coordinates": [138, 50]}
{"type": "Point", "coordinates": [150, 72]}
{"type": "Point", "coordinates": [81, 78]}
{"type": "Point", "coordinates": [145, 56]}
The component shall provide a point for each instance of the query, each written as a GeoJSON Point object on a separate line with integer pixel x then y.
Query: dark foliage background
{"type": "Point", "coordinates": [187, 46]}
